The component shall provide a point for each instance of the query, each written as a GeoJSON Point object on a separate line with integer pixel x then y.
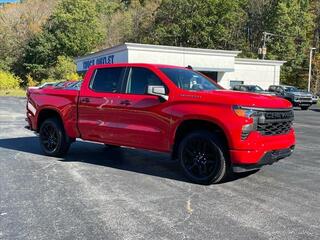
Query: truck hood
{"type": "Point", "coordinates": [300, 94]}
{"type": "Point", "coordinates": [244, 99]}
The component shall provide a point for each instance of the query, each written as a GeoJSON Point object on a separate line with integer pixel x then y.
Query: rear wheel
{"type": "Point", "coordinates": [53, 139]}
{"type": "Point", "coordinates": [203, 157]}
{"type": "Point", "coordinates": [305, 107]}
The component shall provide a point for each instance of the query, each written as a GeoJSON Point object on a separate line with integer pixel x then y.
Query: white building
{"type": "Point", "coordinates": [221, 65]}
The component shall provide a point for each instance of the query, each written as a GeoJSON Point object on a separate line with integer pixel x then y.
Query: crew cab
{"type": "Point", "coordinates": [212, 132]}
{"type": "Point", "coordinates": [297, 97]}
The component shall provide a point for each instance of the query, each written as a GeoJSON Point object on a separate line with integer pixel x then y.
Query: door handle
{"type": "Point", "coordinates": [85, 100]}
{"type": "Point", "coordinates": [125, 102]}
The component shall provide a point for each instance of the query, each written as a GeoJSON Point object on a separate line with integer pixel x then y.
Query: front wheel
{"type": "Point", "coordinates": [305, 107]}
{"type": "Point", "coordinates": [53, 139]}
{"type": "Point", "coordinates": [203, 157]}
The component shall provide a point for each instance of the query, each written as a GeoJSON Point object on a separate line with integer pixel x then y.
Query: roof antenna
{"type": "Point", "coordinates": [189, 67]}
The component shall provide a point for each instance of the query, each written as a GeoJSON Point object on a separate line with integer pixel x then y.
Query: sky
{"type": "Point", "coordinates": [6, 1]}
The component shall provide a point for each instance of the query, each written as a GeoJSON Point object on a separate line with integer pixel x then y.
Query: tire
{"type": "Point", "coordinates": [203, 158]}
{"type": "Point", "coordinates": [305, 108]}
{"type": "Point", "coordinates": [53, 139]}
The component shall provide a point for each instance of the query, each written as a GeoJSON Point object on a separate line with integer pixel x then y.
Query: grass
{"type": "Point", "coordinates": [13, 93]}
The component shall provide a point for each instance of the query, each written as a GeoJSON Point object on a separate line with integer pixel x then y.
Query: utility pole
{"type": "Point", "coordinates": [310, 65]}
{"type": "Point", "coordinates": [263, 50]}
{"type": "Point", "coordinates": [264, 46]}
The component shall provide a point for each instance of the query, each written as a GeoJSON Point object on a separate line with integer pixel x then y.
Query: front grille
{"type": "Point", "coordinates": [275, 122]}
{"type": "Point", "coordinates": [274, 128]}
{"type": "Point", "coordinates": [305, 99]}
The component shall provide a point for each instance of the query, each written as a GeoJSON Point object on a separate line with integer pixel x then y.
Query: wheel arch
{"type": "Point", "coordinates": [190, 125]}
{"type": "Point", "coordinates": [46, 113]}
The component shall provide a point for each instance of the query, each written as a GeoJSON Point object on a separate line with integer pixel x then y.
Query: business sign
{"type": "Point", "coordinates": [100, 60]}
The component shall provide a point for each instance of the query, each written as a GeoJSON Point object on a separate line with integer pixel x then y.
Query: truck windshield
{"type": "Point", "coordinates": [255, 89]}
{"type": "Point", "coordinates": [291, 89]}
{"type": "Point", "coordinates": [189, 80]}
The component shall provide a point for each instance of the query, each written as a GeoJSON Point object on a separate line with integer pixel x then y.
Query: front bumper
{"type": "Point", "coordinates": [268, 158]}
{"type": "Point", "coordinates": [302, 103]}
{"type": "Point", "coordinates": [251, 150]}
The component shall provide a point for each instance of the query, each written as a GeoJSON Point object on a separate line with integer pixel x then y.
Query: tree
{"type": "Point", "coordinates": [19, 22]}
{"type": "Point", "coordinates": [64, 69]}
{"type": "Point", "coordinates": [73, 29]}
{"type": "Point", "coordinates": [199, 23]}
{"type": "Point", "coordinates": [128, 21]}
{"type": "Point", "coordinates": [258, 12]}
{"type": "Point", "coordinates": [292, 23]}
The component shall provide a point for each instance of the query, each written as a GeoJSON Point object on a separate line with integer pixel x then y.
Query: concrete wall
{"type": "Point", "coordinates": [199, 59]}
{"type": "Point", "coordinates": [256, 72]}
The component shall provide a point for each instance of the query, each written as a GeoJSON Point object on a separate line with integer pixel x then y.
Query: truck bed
{"type": "Point", "coordinates": [61, 99]}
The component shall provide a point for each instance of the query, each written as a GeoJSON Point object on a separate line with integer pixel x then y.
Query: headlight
{"type": "Point", "coordinates": [247, 113]}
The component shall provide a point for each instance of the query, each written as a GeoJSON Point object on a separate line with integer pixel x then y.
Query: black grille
{"type": "Point", "coordinates": [275, 122]}
{"type": "Point", "coordinates": [274, 128]}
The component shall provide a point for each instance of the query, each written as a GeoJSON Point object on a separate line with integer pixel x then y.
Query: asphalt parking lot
{"type": "Point", "coordinates": [94, 193]}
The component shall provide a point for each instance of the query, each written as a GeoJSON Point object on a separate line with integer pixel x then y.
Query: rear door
{"type": "Point", "coordinates": [98, 102]}
{"type": "Point", "coordinates": [142, 120]}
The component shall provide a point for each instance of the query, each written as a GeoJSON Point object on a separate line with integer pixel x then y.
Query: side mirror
{"type": "Point", "coordinates": [158, 90]}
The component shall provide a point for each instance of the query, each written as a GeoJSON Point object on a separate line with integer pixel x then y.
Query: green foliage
{"type": "Point", "coordinates": [30, 81]}
{"type": "Point", "coordinates": [76, 27]}
{"type": "Point", "coordinates": [199, 23]}
{"type": "Point", "coordinates": [73, 29]}
{"type": "Point", "coordinates": [291, 22]}
{"type": "Point", "coordinates": [64, 69]}
{"type": "Point", "coordinates": [8, 81]}
{"type": "Point", "coordinates": [41, 44]}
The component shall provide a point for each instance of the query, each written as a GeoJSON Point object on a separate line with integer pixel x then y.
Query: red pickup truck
{"type": "Point", "coordinates": [211, 131]}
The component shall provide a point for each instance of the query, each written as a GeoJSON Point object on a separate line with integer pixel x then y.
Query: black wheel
{"type": "Point", "coordinates": [203, 157]}
{"type": "Point", "coordinates": [305, 108]}
{"type": "Point", "coordinates": [53, 139]}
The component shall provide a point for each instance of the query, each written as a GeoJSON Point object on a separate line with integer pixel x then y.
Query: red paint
{"type": "Point", "coordinates": [150, 123]}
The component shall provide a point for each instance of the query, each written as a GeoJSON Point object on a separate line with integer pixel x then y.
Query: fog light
{"type": "Point", "coordinates": [246, 130]}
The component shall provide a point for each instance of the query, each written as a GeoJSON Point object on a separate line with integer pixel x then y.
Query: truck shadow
{"type": "Point", "coordinates": [134, 160]}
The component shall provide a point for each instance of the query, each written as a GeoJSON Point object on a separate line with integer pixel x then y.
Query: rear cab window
{"type": "Point", "coordinates": [107, 80]}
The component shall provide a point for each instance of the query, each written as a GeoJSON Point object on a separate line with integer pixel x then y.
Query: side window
{"type": "Point", "coordinates": [272, 88]}
{"type": "Point", "coordinates": [107, 80]}
{"type": "Point", "coordinates": [243, 88]}
{"type": "Point", "coordinates": [139, 79]}
{"type": "Point", "coordinates": [279, 90]}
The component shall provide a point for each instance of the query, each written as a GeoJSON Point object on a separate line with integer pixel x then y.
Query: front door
{"type": "Point", "coordinates": [143, 122]}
